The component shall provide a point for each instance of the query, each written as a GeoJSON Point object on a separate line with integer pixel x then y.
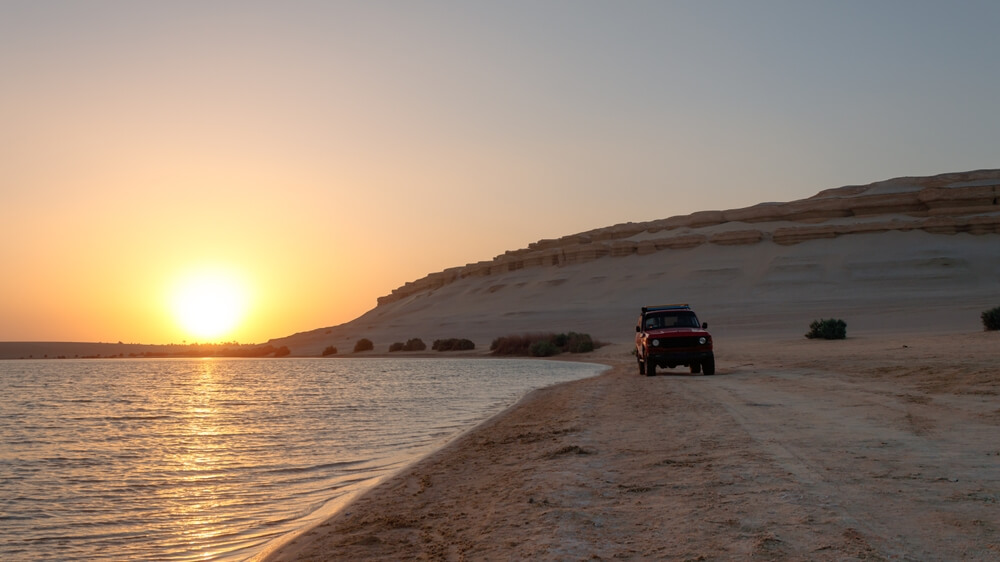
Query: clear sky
{"type": "Point", "coordinates": [316, 155]}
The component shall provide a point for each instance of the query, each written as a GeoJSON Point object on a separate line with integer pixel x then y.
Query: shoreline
{"type": "Point", "coordinates": [285, 547]}
{"type": "Point", "coordinates": [336, 506]}
{"type": "Point", "coordinates": [279, 546]}
{"type": "Point", "coordinates": [60, 351]}
{"type": "Point", "coordinates": [620, 465]}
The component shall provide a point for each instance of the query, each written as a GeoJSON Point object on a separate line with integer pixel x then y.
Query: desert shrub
{"type": "Point", "coordinates": [243, 351]}
{"type": "Point", "coordinates": [364, 344]}
{"type": "Point", "coordinates": [518, 344]}
{"type": "Point", "coordinates": [543, 348]}
{"type": "Point", "coordinates": [282, 351]}
{"type": "Point", "coordinates": [560, 340]}
{"type": "Point", "coordinates": [414, 344]}
{"type": "Point", "coordinates": [453, 344]}
{"type": "Point", "coordinates": [829, 329]}
{"type": "Point", "coordinates": [991, 319]}
{"type": "Point", "coordinates": [329, 350]}
{"type": "Point", "coordinates": [528, 344]}
{"type": "Point", "coordinates": [579, 343]}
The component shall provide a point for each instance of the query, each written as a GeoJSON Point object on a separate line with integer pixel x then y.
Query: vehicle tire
{"type": "Point", "coordinates": [650, 369]}
{"type": "Point", "coordinates": [709, 365]}
{"type": "Point", "coordinates": [695, 368]}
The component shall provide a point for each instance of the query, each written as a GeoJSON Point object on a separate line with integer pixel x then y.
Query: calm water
{"type": "Point", "coordinates": [211, 459]}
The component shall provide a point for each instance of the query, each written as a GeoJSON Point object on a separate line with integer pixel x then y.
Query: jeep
{"type": "Point", "coordinates": [670, 335]}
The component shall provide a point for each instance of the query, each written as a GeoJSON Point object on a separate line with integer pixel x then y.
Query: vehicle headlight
{"type": "Point", "coordinates": [656, 343]}
{"type": "Point", "coordinates": [702, 340]}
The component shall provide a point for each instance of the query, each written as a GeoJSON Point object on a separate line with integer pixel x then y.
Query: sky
{"type": "Point", "coordinates": [311, 156]}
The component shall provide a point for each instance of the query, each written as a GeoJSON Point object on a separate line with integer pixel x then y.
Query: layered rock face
{"type": "Point", "coordinates": [966, 202]}
{"type": "Point", "coordinates": [917, 254]}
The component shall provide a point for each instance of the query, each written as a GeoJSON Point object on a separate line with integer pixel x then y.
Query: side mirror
{"type": "Point", "coordinates": [704, 326]}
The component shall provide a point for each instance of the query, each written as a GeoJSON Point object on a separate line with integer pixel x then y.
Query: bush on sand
{"type": "Point", "coordinates": [830, 329]}
{"type": "Point", "coordinates": [453, 344]}
{"type": "Point", "coordinates": [543, 344]}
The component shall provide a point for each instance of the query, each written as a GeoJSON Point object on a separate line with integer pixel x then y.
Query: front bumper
{"type": "Point", "coordinates": [674, 358]}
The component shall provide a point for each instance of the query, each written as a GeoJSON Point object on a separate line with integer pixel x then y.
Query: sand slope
{"type": "Point", "coordinates": [913, 253]}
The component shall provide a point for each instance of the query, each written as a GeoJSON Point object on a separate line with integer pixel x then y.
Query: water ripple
{"type": "Point", "coordinates": [210, 459]}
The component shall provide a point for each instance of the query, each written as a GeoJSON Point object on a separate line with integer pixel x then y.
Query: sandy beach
{"type": "Point", "coordinates": [881, 446]}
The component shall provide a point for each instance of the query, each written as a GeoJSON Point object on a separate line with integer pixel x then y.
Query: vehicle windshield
{"type": "Point", "coordinates": [673, 319]}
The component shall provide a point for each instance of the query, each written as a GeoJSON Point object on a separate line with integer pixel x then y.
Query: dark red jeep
{"type": "Point", "coordinates": [670, 335]}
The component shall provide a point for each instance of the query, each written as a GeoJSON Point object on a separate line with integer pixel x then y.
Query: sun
{"type": "Point", "coordinates": [209, 304]}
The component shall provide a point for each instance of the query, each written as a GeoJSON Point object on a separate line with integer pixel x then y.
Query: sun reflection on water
{"type": "Point", "coordinates": [203, 451]}
{"type": "Point", "coordinates": [190, 460]}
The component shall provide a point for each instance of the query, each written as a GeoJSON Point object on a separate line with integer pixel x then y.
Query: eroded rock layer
{"type": "Point", "coordinates": [946, 204]}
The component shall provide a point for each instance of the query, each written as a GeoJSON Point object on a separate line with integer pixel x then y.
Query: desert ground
{"type": "Point", "coordinates": [878, 447]}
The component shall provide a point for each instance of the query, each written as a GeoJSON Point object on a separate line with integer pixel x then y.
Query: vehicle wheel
{"type": "Point", "coordinates": [695, 368]}
{"type": "Point", "coordinates": [709, 365]}
{"type": "Point", "coordinates": [650, 369]}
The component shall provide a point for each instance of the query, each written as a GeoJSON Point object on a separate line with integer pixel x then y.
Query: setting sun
{"type": "Point", "coordinates": [209, 304]}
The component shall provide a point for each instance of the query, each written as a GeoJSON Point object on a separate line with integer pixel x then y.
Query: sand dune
{"type": "Point", "coordinates": [907, 253]}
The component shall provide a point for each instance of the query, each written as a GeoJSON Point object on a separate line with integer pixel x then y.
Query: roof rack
{"type": "Point", "coordinates": [665, 307]}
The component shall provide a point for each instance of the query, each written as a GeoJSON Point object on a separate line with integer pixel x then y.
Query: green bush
{"type": "Point", "coordinates": [364, 344]}
{"type": "Point", "coordinates": [530, 344]}
{"type": "Point", "coordinates": [329, 350]}
{"type": "Point", "coordinates": [579, 343]}
{"type": "Point", "coordinates": [831, 329]}
{"type": "Point", "coordinates": [517, 344]}
{"type": "Point", "coordinates": [282, 351]}
{"type": "Point", "coordinates": [414, 344]}
{"type": "Point", "coordinates": [543, 348]}
{"type": "Point", "coordinates": [453, 344]}
{"type": "Point", "coordinates": [991, 319]}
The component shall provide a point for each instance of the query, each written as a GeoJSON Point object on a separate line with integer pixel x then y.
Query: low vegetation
{"type": "Point", "coordinates": [543, 344]}
{"type": "Point", "coordinates": [329, 350]}
{"type": "Point", "coordinates": [453, 344]}
{"type": "Point", "coordinates": [211, 350]}
{"type": "Point", "coordinates": [991, 319]}
{"type": "Point", "coordinates": [414, 344]}
{"type": "Point", "coordinates": [827, 329]}
{"type": "Point", "coordinates": [364, 344]}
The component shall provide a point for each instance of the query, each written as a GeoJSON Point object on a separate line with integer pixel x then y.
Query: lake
{"type": "Point", "coordinates": [210, 459]}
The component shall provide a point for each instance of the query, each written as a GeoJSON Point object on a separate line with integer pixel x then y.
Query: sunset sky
{"type": "Point", "coordinates": [310, 157]}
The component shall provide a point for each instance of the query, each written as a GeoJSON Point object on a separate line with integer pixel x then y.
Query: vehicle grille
{"type": "Point", "coordinates": [688, 341]}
